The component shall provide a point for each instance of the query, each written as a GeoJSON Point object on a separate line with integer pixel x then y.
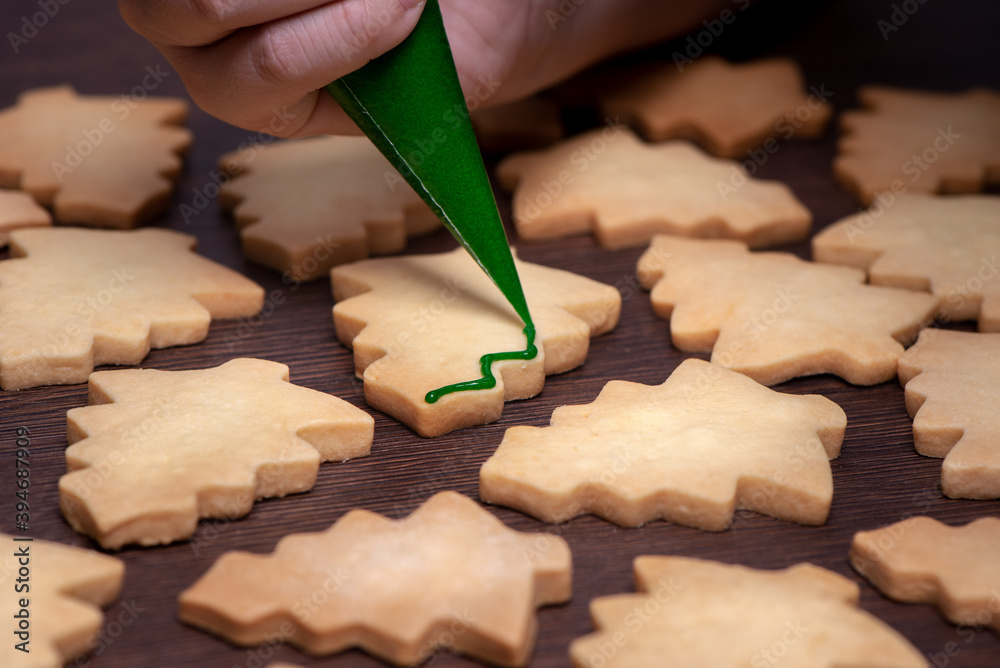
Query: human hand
{"type": "Point", "coordinates": [261, 64]}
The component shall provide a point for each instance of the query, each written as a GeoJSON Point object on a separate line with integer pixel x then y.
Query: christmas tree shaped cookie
{"type": "Point", "coordinates": [692, 450]}
{"type": "Point", "coordinates": [53, 610]}
{"type": "Point", "coordinates": [624, 191]}
{"type": "Point", "coordinates": [952, 382]}
{"type": "Point", "coordinates": [421, 322]}
{"type": "Point", "coordinates": [95, 160]}
{"type": "Point", "coordinates": [916, 141]}
{"type": "Point", "coordinates": [947, 246]}
{"type": "Point", "coordinates": [921, 560]}
{"type": "Point", "coordinates": [773, 316]}
{"type": "Point", "coordinates": [72, 299]}
{"type": "Point", "coordinates": [157, 450]}
{"type": "Point", "coordinates": [690, 612]}
{"type": "Point", "coordinates": [306, 205]}
{"type": "Point", "coordinates": [450, 576]}
{"type": "Point", "coordinates": [728, 109]}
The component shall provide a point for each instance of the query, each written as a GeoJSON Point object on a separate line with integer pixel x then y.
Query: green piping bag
{"type": "Point", "coordinates": [410, 104]}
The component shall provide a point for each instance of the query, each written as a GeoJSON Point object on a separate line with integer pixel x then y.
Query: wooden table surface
{"type": "Point", "coordinates": [878, 478]}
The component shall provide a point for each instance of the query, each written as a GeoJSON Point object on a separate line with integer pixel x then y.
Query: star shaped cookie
{"type": "Point", "coordinates": [448, 576]}
{"type": "Point", "coordinates": [157, 450]}
{"type": "Point", "coordinates": [306, 205]}
{"type": "Point", "coordinates": [59, 600]}
{"type": "Point", "coordinates": [72, 299]}
{"type": "Point", "coordinates": [906, 141]}
{"type": "Point", "coordinates": [18, 210]}
{"type": "Point", "coordinates": [952, 382]}
{"type": "Point", "coordinates": [727, 108]}
{"type": "Point", "coordinates": [420, 322]}
{"type": "Point", "coordinates": [773, 316]}
{"type": "Point", "coordinates": [947, 246]}
{"type": "Point", "coordinates": [692, 450]}
{"type": "Point", "coordinates": [691, 612]}
{"type": "Point", "coordinates": [94, 160]}
{"type": "Point", "coordinates": [921, 560]}
{"type": "Point", "coordinates": [609, 182]}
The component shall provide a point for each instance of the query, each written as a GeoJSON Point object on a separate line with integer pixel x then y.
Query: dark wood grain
{"type": "Point", "coordinates": [878, 478]}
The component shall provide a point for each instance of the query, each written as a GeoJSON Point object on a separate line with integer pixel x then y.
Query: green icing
{"type": "Point", "coordinates": [488, 380]}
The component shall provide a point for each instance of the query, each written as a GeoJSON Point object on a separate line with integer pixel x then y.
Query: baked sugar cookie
{"type": "Point", "coordinates": [952, 382]}
{"type": "Point", "coordinates": [52, 612]}
{"type": "Point", "coordinates": [917, 141]}
{"type": "Point", "coordinates": [449, 576]}
{"type": "Point", "coordinates": [727, 108]}
{"type": "Point", "coordinates": [157, 450]}
{"type": "Point", "coordinates": [94, 160]}
{"type": "Point", "coordinates": [945, 245]}
{"type": "Point", "coordinates": [691, 612]}
{"type": "Point", "coordinates": [773, 316]}
{"type": "Point", "coordinates": [73, 299]}
{"type": "Point", "coordinates": [692, 450]}
{"type": "Point", "coordinates": [610, 183]}
{"type": "Point", "coordinates": [921, 560]}
{"type": "Point", "coordinates": [418, 323]}
{"type": "Point", "coordinates": [306, 205]}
